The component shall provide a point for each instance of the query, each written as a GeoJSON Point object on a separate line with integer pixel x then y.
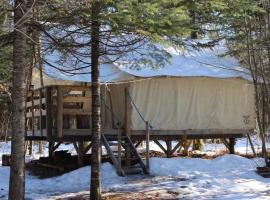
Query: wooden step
{"type": "Point", "coordinates": [132, 170]}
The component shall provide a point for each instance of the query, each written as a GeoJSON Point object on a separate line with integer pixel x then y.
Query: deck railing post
{"type": "Point", "coordinates": [59, 111]}
{"type": "Point", "coordinates": [40, 112]}
{"type": "Point", "coordinates": [128, 109]}
{"type": "Point", "coordinates": [49, 111]}
{"type": "Point", "coordinates": [32, 111]}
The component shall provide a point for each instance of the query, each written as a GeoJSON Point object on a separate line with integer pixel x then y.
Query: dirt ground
{"type": "Point", "coordinates": [149, 195]}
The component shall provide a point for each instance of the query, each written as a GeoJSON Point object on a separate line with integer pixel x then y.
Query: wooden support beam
{"type": "Point", "coordinates": [40, 112]}
{"type": "Point", "coordinates": [77, 99]}
{"type": "Point", "coordinates": [59, 111]}
{"type": "Point", "coordinates": [76, 147]}
{"type": "Point", "coordinates": [251, 144]}
{"type": "Point", "coordinates": [169, 148]}
{"type": "Point", "coordinates": [32, 114]}
{"type": "Point", "coordinates": [54, 147]}
{"type": "Point", "coordinates": [88, 147]}
{"type": "Point", "coordinates": [226, 143]}
{"type": "Point", "coordinates": [176, 146]}
{"type": "Point", "coordinates": [80, 154]}
{"type": "Point", "coordinates": [231, 145]}
{"type": "Point", "coordinates": [73, 111]}
{"type": "Point", "coordinates": [103, 108]}
{"type": "Point", "coordinates": [49, 111]}
{"type": "Point", "coordinates": [51, 146]}
{"type": "Point", "coordinates": [138, 144]}
{"type": "Point", "coordinates": [160, 146]}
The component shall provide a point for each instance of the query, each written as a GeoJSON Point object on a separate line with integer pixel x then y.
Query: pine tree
{"type": "Point", "coordinates": [17, 172]}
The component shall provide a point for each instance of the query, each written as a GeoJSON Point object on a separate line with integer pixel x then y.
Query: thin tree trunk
{"type": "Point", "coordinates": [95, 193]}
{"type": "Point", "coordinates": [17, 174]}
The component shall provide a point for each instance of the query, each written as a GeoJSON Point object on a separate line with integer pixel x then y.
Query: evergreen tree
{"type": "Point", "coordinates": [17, 173]}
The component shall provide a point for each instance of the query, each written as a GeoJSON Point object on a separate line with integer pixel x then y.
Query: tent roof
{"type": "Point", "coordinates": [206, 62]}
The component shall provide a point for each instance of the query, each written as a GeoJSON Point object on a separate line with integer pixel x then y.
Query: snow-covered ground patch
{"type": "Point", "coordinates": [225, 177]}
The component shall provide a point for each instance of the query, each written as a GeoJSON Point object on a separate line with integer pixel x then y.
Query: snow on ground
{"type": "Point", "coordinates": [225, 177]}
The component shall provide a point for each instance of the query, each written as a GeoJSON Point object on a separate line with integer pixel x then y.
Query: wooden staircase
{"type": "Point", "coordinates": [124, 141]}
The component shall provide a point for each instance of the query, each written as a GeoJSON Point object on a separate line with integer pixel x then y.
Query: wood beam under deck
{"type": "Point", "coordinates": [84, 134]}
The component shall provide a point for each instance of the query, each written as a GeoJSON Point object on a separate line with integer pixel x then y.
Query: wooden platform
{"type": "Point", "coordinates": [62, 113]}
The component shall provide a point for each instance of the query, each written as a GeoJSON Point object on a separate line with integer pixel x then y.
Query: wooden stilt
{"type": "Point", "coordinates": [40, 147]}
{"type": "Point", "coordinates": [30, 147]}
{"type": "Point", "coordinates": [138, 143]}
{"type": "Point", "coordinates": [80, 154]}
{"type": "Point", "coordinates": [51, 146]}
{"type": "Point", "coordinates": [231, 145]}
{"type": "Point", "coordinates": [160, 146]}
{"type": "Point", "coordinates": [169, 148]}
{"type": "Point", "coordinates": [87, 147]}
{"type": "Point", "coordinates": [176, 146]}
{"type": "Point", "coordinates": [251, 144]}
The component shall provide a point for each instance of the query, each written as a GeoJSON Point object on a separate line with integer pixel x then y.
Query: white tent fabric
{"type": "Point", "coordinates": [205, 62]}
{"type": "Point", "coordinates": [194, 103]}
{"type": "Point", "coordinates": [198, 89]}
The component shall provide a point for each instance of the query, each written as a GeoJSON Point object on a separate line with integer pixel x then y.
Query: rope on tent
{"type": "Point", "coordinates": [110, 109]}
{"type": "Point", "coordinates": [138, 111]}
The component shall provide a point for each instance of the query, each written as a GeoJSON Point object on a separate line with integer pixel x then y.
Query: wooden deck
{"type": "Point", "coordinates": [85, 134]}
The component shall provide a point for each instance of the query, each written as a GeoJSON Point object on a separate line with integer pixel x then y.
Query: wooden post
{"type": "Point", "coordinates": [40, 112]}
{"type": "Point", "coordinates": [128, 109]}
{"type": "Point", "coordinates": [169, 148]}
{"type": "Point", "coordinates": [251, 144]}
{"type": "Point", "coordinates": [30, 147]}
{"type": "Point", "coordinates": [51, 147]}
{"type": "Point", "coordinates": [231, 145]}
{"type": "Point", "coordinates": [147, 145]}
{"type": "Point", "coordinates": [119, 145]}
{"type": "Point", "coordinates": [80, 154]}
{"type": "Point", "coordinates": [33, 115]}
{"type": "Point", "coordinates": [59, 111]}
{"type": "Point", "coordinates": [103, 104]}
{"type": "Point", "coordinates": [49, 111]}
{"type": "Point", "coordinates": [40, 147]}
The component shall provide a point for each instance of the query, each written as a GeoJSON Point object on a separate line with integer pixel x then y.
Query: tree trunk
{"type": "Point", "coordinates": [95, 193]}
{"type": "Point", "coordinates": [17, 174]}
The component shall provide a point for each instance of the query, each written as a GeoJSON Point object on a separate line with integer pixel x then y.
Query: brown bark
{"type": "Point", "coordinates": [95, 188]}
{"type": "Point", "coordinates": [17, 174]}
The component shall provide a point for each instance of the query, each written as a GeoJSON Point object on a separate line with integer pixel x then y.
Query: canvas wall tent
{"type": "Point", "coordinates": [197, 93]}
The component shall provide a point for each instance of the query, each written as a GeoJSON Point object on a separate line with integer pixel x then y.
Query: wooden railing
{"type": "Point", "coordinates": [53, 109]}
{"type": "Point", "coordinates": [36, 113]}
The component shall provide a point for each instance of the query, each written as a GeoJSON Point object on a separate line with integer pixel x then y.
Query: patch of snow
{"type": "Point", "coordinates": [225, 177]}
